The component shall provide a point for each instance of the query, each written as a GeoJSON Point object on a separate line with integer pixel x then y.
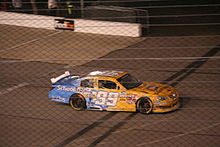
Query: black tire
{"type": "Point", "coordinates": [144, 105]}
{"type": "Point", "coordinates": [77, 102]}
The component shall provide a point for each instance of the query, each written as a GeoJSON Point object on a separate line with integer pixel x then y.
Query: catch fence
{"type": "Point", "coordinates": [178, 45]}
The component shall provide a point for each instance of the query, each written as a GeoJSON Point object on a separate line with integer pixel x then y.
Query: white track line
{"type": "Point", "coordinates": [25, 43]}
{"type": "Point", "coordinates": [180, 135]}
{"type": "Point", "coordinates": [181, 59]}
{"type": "Point", "coordinates": [8, 90]}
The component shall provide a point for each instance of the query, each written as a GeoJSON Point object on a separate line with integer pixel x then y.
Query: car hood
{"type": "Point", "coordinates": [155, 88]}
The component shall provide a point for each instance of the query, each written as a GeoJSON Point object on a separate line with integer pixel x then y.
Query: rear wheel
{"type": "Point", "coordinates": [144, 105]}
{"type": "Point", "coordinates": [77, 102]}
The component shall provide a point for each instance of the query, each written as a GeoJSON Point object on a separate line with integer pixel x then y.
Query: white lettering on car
{"type": "Point", "coordinates": [59, 98]}
{"type": "Point", "coordinates": [64, 88]}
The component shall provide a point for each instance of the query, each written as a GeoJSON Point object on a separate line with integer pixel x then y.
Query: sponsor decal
{"type": "Point", "coordinates": [85, 91]}
{"type": "Point", "coordinates": [123, 93]}
{"type": "Point", "coordinates": [156, 102]}
{"type": "Point", "coordinates": [94, 94]}
{"type": "Point", "coordinates": [58, 98]}
{"type": "Point", "coordinates": [79, 89]}
{"type": "Point", "coordinates": [159, 103]}
{"type": "Point", "coordinates": [64, 24]}
{"type": "Point", "coordinates": [131, 100]}
{"type": "Point", "coordinates": [128, 98]}
{"type": "Point", "coordinates": [64, 88]}
{"type": "Point", "coordinates": [122, 99]}
{"type": "Point", "coordinates": [164, 103]}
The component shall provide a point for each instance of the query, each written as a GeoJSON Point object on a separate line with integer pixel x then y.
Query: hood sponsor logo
{"type": "Point", "coordinates": [152, 88]}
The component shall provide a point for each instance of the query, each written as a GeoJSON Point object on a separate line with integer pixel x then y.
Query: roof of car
{"type": "Point", "coordinates": [107, 73]}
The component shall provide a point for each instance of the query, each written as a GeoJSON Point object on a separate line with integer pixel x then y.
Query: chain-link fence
{"type": "Point", "coordinates": [163, 42]}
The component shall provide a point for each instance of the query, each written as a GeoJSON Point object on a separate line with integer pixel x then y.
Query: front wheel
{"type": "Point", "coordinates": [144, 105]}
{"type": "Point", "coordinates": [77, 102]}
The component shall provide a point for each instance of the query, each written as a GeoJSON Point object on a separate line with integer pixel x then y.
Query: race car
{"type": "Point", "coordinates": [113, 91]}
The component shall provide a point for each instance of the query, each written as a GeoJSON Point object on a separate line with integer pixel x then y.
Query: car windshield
{"type": "Point", "coordinates": [129, 82]}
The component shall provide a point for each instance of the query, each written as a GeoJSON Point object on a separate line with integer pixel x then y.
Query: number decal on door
{"type": "Point", "coordinates": [101, 98]}
{"type": "Point", "coordinates": [105, 98]}
{"type": "Point", "coordinates": [112, 99]}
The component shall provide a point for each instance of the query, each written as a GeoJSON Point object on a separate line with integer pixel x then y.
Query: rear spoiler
{"type": "Point", "coordinates": [54, 80]}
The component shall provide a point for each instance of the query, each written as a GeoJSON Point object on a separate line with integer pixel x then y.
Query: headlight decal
{"type": "Point", "coordinates": [173, 96]}
{"type": "Point", "coordinates": [162, 98]}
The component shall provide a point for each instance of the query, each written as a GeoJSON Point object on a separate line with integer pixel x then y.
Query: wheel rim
{"type": "Point", "coordinates": [77, 102]}
{"type": "Point", "coordinates": [144, 106]}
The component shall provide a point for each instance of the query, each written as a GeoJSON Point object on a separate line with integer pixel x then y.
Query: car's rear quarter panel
{"type": "Point", "coordinates": [59, 95]}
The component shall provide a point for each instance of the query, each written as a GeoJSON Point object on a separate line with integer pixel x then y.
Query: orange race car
{"type": "Point", "coordinates": [113, 91]}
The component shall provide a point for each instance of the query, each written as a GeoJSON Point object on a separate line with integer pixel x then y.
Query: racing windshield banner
{"type": "Point", "coordinates": [64, 24]}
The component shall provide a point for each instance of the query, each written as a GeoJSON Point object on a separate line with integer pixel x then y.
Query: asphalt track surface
{"type": "Point", "coordinates": [28, 118]}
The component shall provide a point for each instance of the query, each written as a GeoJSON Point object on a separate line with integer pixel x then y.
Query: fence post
{"type": "Point", "coordinates": [82, 8]}
{"type": "Point", "coordinates": [34, 7]}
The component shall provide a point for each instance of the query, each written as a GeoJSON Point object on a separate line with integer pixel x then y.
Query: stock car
{"type": "Point", "coordinates": [113, 91]}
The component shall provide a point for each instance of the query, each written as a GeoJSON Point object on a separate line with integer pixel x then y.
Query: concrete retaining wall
{"type": "Point", "coordinates": [81, 25]}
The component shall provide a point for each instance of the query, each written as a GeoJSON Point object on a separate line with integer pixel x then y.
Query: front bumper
{"type": "Point", "coordinates": [164, 109]}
